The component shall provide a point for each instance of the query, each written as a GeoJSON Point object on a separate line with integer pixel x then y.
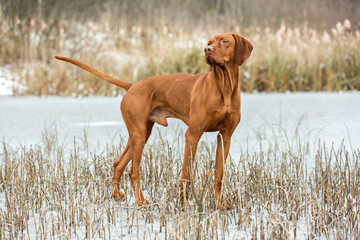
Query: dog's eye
{"type": "Point", "coordinates": [225, 41]}
{"type": "Point", "coordinates": [209, 43]}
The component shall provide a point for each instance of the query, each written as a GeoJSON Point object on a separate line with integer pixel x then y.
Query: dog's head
{"type": "Point", "coordinates": [227, 48]}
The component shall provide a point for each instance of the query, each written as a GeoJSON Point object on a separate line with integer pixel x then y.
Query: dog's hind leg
{"type": "Point", "coordinates": [119, 166]}
{"type": "Point", "coordinates": [121, 163]}
{"type": "Point", "coordinates": [138, 140]}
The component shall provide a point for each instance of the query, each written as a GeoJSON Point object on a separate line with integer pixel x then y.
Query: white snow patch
{"type": "Point", "coordinates": [9, 85]}
{"type": "Point", "coordinates": [97, 124]}
{"type": "Point", "coordinates": [185, 44]}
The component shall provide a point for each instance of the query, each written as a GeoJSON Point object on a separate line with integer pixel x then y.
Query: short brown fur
{"type": "Point", "coordinates": [206, 102]}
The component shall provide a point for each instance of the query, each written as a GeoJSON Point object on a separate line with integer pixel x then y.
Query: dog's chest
{"type": "Point", "coordinates": [219, 118]}
{"type": "Point", "coordinates": [222, 107]}
{"type": "Point", "coordinates": [222, 112]}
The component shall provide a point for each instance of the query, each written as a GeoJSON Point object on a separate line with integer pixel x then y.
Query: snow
{"type": "Point", "coordinates": [199, 43]}
{"type": "Point", "coordinates": [9, 82]}
{"type": "Point", "coordinates": [281, 119]}
{"type": "Point", "coordinates": [98, 124]}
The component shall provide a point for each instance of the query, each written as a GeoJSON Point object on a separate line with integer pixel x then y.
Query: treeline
{"type": "Point", "coordinates": [319, 14]}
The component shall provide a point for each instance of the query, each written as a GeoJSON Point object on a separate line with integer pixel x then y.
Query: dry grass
{"type": "Point", "coordinates": [284, 59]}
{"type": "Point", "coordinates": [54, 191]}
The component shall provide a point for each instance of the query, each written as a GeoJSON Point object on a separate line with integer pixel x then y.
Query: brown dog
{"type": "Point", "coordinates": [206, 102]}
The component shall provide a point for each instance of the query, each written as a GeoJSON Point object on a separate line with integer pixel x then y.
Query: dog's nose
{"type": "Point", "coordinates": [208, 49]}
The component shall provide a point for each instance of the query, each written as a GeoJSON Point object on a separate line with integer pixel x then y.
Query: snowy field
{"type": "Point", "coordinates": [281, 118]}
{"type": "Point", "coordinates": [281, 121]}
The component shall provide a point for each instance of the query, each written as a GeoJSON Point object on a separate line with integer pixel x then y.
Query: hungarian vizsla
{"type": "Point", "coordinates": [206, 102]}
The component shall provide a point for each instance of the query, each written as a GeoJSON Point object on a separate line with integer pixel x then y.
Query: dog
{"type": "Point", "coordinates": [205, 102]}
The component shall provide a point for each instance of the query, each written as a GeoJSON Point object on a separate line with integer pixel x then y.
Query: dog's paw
{"type": "Point", "coordinates": [143, 202]}
{"type": "Point", "coordinates": [118, 195]}
{"type": "Point", "coordinates": [224, 204]}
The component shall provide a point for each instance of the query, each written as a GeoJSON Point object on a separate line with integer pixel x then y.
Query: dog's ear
{"type": "Point", "coordinates": [242, 50]}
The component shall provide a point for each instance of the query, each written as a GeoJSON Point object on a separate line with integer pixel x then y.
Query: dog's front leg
{"type": "Point", "coordinates": [192, 139]}
{"type": "Point", "coordinates": [222, 151]}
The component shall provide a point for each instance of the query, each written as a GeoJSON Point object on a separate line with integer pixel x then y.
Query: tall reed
{"type": "Point", "coordinates": [284, 59]}
{"type": "Point", "coordinates": [55, 191]}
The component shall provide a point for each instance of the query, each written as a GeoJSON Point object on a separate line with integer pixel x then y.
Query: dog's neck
{"type": "Point", "coordinates": [226, 78]}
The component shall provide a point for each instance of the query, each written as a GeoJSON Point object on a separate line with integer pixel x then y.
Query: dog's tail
{"type": "Point", "coordinates": [100, 74]}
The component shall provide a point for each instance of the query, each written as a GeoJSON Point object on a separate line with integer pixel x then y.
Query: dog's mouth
{"type": "Point", "coordinates": [212, 61]}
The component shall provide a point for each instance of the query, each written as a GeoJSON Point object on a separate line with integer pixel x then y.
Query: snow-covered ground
{"type": "Point", "coordinates": [9, 82]}
{"type": "Point", "coordinates": [283, 119]}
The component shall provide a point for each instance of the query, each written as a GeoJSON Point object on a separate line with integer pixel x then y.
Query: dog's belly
{"type": "Point", "coordinates": [215, 120]}
{"type": "Point", "coordinates": [160, 114]}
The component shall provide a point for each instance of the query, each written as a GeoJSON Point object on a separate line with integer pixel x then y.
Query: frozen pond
{"type": "Point", "coordinates": [276, 121]}
{"type": "Point", "coordinates": [267, 119]}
